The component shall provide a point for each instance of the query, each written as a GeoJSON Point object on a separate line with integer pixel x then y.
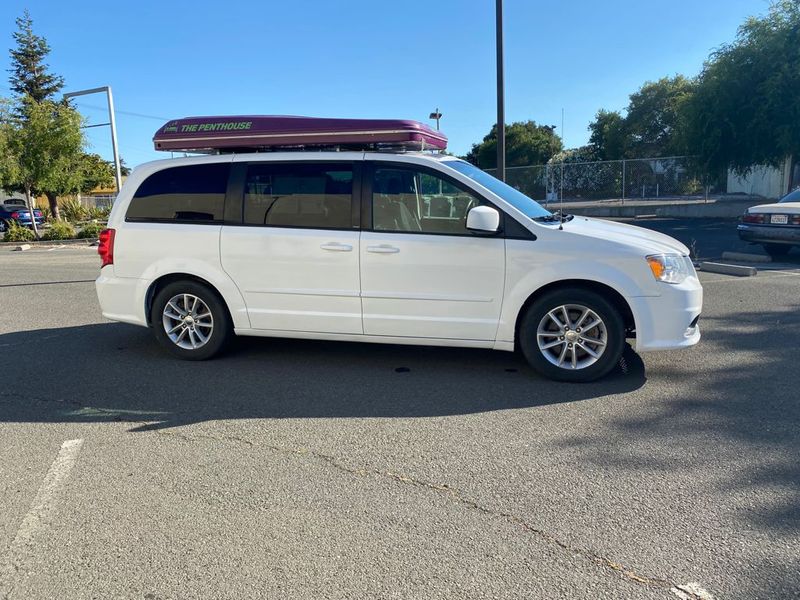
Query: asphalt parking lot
{"type": "Point", "coordinates": [304, 469]}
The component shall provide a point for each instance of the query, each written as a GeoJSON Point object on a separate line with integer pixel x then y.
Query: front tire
{"type": "Point", "coordinates": [190, 320]}
{"type": "Point", "coordinates": [572, 334]}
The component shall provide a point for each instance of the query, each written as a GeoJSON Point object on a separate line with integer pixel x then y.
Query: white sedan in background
{"type": "Point", "coordinates": [774, 226]}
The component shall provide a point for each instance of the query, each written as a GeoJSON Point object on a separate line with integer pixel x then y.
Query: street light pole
{"type": "Point", "coordinates": [436, 115]}
{"type": "Point", "coordinates": [111, 122]}
{"type": "Point", "coordinates": [501, 121]}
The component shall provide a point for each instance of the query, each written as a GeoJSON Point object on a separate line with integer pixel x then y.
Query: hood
{"type": "Point", "coordinates": [649, 241]}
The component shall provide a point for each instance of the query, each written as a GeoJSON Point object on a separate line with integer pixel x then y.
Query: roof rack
{"type": "Point", "coordinates": [264, 132]}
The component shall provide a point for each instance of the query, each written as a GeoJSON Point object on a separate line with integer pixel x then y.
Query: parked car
{"type": "Point", "coordinates": [14, 209]}
{"type": "Point", "coordinates": [775, 226]}
{"type": "Point", "coordinates": [384, 246]}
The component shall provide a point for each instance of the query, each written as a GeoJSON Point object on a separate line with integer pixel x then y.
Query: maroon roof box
{"type": "Point", "coordinates": [230, 133]}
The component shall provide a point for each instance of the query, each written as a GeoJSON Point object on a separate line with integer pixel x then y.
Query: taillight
{"type": "Point", "coordinates": [105, 247]}
{"type": "Point", "coordinates": [15, 215]}
{"type": "Point", "coordinates": [796, 220]}
{"type": "Point", "coordinates": [754, 218]}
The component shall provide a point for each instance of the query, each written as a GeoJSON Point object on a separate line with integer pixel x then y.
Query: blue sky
{"type": "Point", "coordinates": [368, 58]}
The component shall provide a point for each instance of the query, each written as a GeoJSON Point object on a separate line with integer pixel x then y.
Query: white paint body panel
{"type": "Point", "coordinates": [436, 286]}
{"type": "Point", "coordinates": [295, 279]}
{"type": "Point", "coordinates": [393, 287]}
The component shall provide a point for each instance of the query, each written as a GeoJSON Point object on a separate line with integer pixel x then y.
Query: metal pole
{"type": "Point", "coordinates": [501, 120]}
{"type": "Point", "coordinates": [436, 115]}
{"type": "Point", "coordinates": [111, 121]}
{"type": "Point", "coordinates": [623, 181]}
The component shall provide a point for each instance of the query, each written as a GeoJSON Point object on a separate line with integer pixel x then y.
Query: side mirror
{"type": "Point", "coordinates": [483, 219]}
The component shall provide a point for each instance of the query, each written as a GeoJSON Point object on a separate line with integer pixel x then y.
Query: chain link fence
{"type": "Point", "coordinates": [629, 179]}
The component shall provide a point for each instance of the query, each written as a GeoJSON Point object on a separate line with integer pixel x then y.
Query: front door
{"type": "Point", "coordinates": [295, 255]}
{"type": "Point", "coordinates": [423, 274]}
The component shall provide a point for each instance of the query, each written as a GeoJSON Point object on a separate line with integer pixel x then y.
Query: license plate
{"type": "Point", "coordinates": [779, 219]}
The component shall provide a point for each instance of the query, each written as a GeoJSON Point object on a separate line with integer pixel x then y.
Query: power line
{"type": "Point", "coordinates": [125, 112]}
{"type": "Point", "coordinates": [119, 112]}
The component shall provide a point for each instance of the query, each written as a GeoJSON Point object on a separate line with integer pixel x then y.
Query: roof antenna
{"type": "Point", "coordinates": [561, 180]}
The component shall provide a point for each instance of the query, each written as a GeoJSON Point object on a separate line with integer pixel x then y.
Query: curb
{"type": "Point", "coordinates": [50, 243]}
{"type": "Point", "coordinates": [746, 257]}
{"type": "Point", "coordinates": [723, 269]}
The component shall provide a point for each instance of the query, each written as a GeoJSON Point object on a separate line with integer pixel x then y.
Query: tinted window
{"type": "Point", "coordinates": [418, 201]}
{"type": "Point", "coordinates": [192, 193]}
{"type": "Point", "coordinates": [318, 196]}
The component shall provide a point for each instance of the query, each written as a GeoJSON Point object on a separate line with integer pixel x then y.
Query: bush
{"type": "Point", "coordinates": [18, 233]}
{"type": "Point", "coordinates": [94, 213]}
{"type": "Point", "coordinates": [60, 230]}
{"type": "Point", "coordinates": [90, 230]}
{"type": "Point", "coordinates": [72, 210]}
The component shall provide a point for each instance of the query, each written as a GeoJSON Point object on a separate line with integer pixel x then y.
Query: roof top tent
{"type": "Point", "coordinates": [253, 133]}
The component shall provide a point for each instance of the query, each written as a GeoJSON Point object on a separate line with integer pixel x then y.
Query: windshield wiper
{"type": "Point", "coordinates": [556, 217]}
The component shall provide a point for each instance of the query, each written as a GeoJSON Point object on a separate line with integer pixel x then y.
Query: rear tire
{"type": "Point", "coordinates": [190, 320]}
{"type": "Point", "coordinates": [572, 334]}
{"type": "Point", "coordinates": [777, 250]}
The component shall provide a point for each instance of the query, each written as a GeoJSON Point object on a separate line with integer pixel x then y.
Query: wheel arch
{"type": "Point", "coordinates": [163, 281]}
{"type": "Point", "coordinates": [608, 292]}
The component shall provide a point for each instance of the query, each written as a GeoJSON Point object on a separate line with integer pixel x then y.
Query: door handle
{"type": "Point", "coordinates": [336, 247]}
{"type": "Point", "coordinates": [383, 249]}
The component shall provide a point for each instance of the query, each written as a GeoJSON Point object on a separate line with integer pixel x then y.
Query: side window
{"type": "Point", "coordinates": [317, 196]}
{"type": "Point", "coordinates": [193, 193]}
{"type": "Point", "coordinates": [414, 201]}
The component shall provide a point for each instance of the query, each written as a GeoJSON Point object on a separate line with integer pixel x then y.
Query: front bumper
{"type": "Point", "coordinates": [668, 321]}
{"type": "Point", "coordinates": [769, 234]}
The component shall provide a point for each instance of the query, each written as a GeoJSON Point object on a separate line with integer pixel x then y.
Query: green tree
{"type": "Point", "coordinates": [608, 136]}
{"type": "Point", "coordinates": [95, 172]}
{"type": "Point", "coordinates": [653, 121]}
{"type": "Point", "coordinates": [29, 73]}
{"type": "Point", "coordinates": [124, 169]}
{"type": "Point", "coordinates": [75, 172]}
{"type": "Point", "coordinates": [746, 110]}
{"type": "Point", "coordinates": [526, 144]}
{"type": "Point", "coordinates": [653, 125]}
{"type": "Point", "coordinates": [45, 144]}
{"type": "Point", "coordinates": [43, 149]}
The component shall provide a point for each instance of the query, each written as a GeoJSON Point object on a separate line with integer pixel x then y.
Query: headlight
{"type": "Point", "coordinates": [669, 268]}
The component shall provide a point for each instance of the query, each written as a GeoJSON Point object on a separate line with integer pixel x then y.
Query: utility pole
{"type": "Point", "coordinates": [501, 120]}
{"type": "Point", "coordinates": [436, 115]}
{"type": "Point", "coordinates": [111, 122]}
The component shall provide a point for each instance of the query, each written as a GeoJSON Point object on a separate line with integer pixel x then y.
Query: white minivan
{"type": "Point", "coordinates": [390, 247]}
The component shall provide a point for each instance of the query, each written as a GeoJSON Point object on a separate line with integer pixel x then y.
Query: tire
{"type": "Point", "coordinates": [776, 250]}
{"type": "Point", "coordinates": [200, 336]}
{"type": "Point", "coordinates": [606, 325]}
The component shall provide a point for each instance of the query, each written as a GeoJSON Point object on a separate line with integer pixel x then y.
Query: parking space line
{"type": "Point", "coordinates": [39, 515]}
{"type": "Point", "coordinates": [7, 285]}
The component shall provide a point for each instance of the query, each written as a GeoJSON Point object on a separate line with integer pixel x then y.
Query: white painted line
{"type": "Point", "coordinates": [39, 515]}
{"type": "Point", "coordinates": [691, 591]}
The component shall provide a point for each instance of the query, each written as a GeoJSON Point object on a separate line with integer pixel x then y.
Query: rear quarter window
{"type": "Point", "coordinates": [193, 194]}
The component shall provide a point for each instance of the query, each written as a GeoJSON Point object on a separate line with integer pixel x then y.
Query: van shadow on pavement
{"type": "Point", "coordinates": [116, 372]}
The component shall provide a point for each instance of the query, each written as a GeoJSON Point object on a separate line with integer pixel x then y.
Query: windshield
{"type": "Point", "coordinates": [791, 196]}
{"type": "Point", "coordinates": [517, 199]}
